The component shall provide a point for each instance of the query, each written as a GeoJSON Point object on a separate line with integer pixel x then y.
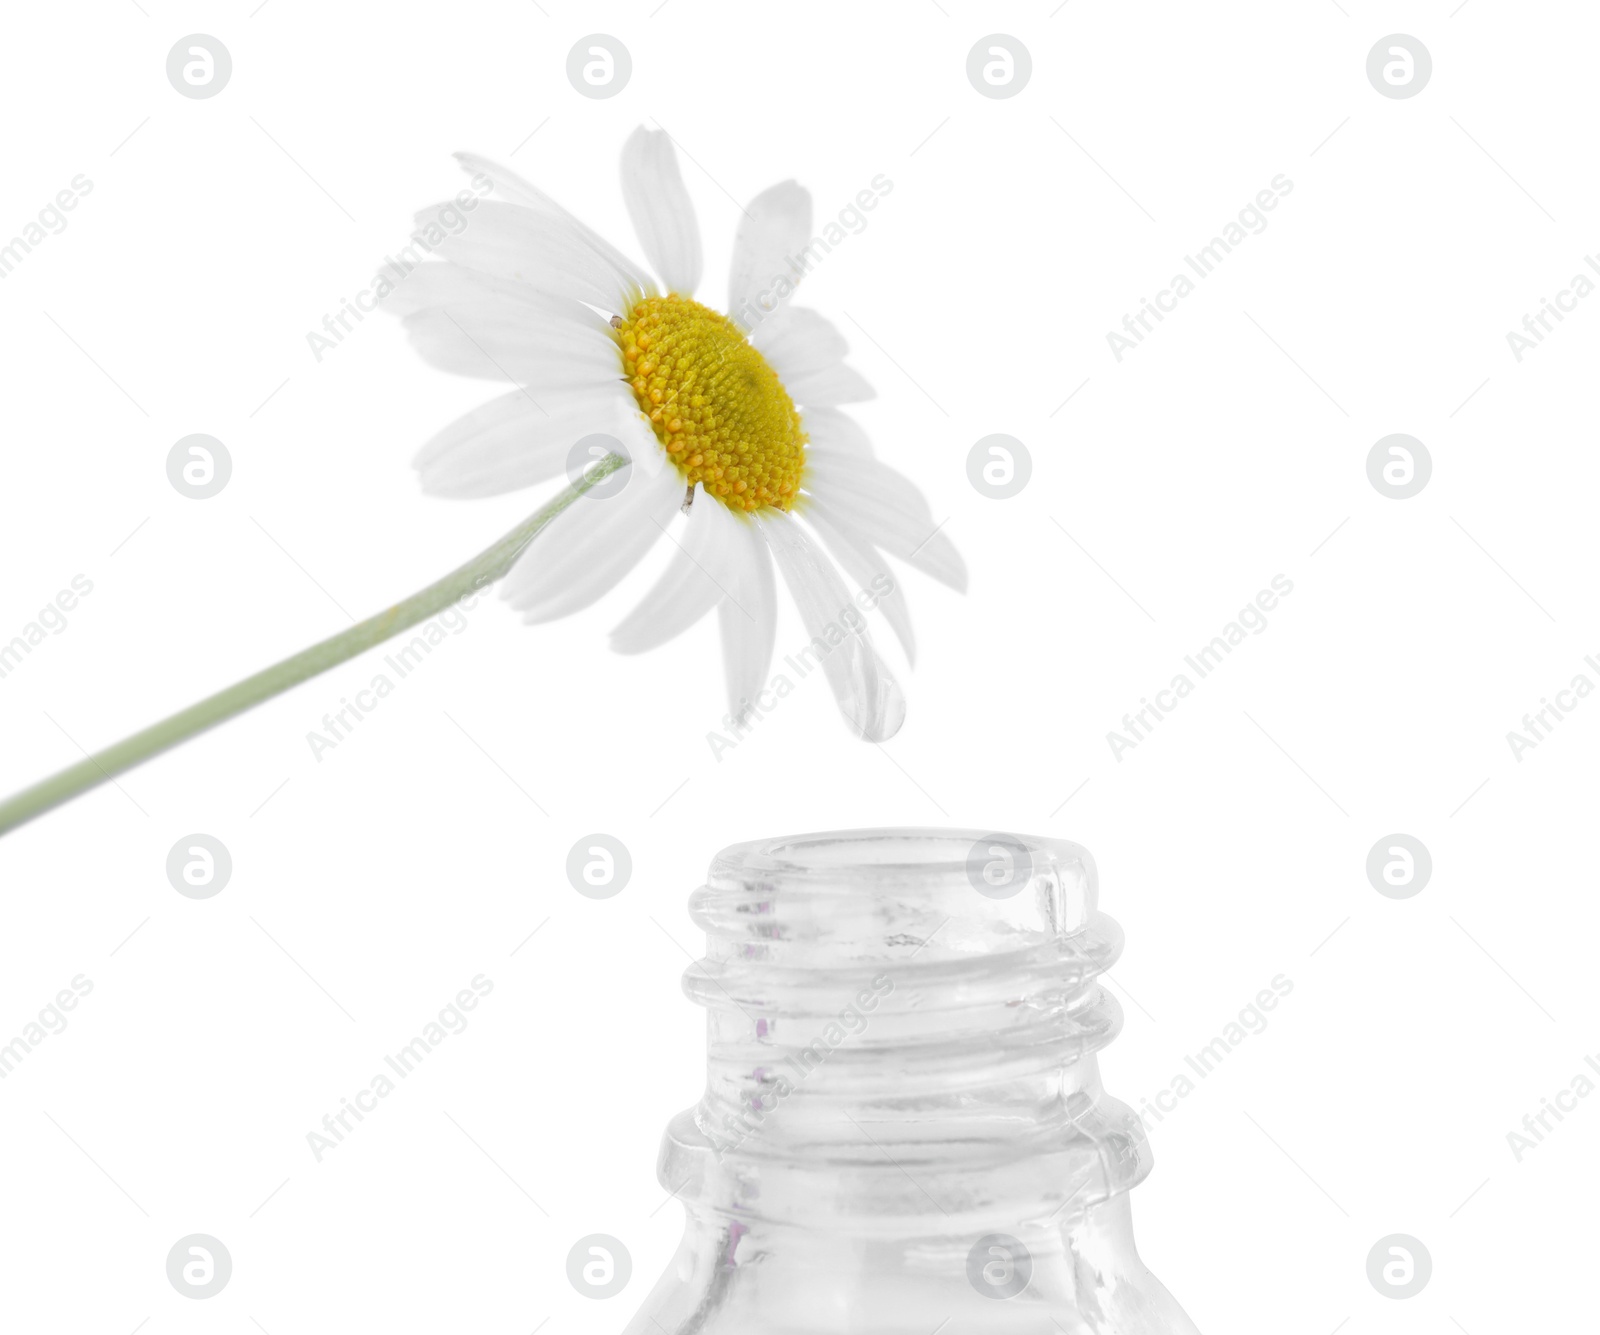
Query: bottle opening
{"type": "Point", "coordinates": [894, 895]}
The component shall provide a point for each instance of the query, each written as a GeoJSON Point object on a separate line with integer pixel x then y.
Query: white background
{"type": "Point", "coordinates": [370, 886]}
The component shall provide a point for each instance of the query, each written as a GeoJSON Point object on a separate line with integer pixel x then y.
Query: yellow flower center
{"type": "Point", "coordinates": [718, 409]}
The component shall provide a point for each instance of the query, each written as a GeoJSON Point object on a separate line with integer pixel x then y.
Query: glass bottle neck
{"type": "Point", "coordinates": [892, 1034]}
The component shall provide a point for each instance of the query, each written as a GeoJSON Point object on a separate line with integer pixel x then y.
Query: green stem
{"type": "Point", "coordinates": [483, 569]}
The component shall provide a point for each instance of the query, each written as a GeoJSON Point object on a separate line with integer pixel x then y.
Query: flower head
{"type": "Point", "coordinates": [733, 420]}
{"type": "Point", "coordinates": [715, 405]}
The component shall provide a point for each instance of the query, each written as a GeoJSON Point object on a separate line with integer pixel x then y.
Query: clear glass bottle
{"type": "Point", "coordinates": [903, 1129]}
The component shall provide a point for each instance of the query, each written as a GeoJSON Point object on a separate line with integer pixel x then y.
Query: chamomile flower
{"type": "Point", "coordinates": [732, 421]}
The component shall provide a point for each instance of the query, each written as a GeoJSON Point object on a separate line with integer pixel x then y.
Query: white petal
{"type": "Point", "coordinates": [872, 480]}
{"type": "Point", "coordinates": [523, 192]}
{"type": "Point", "coordinates": [830, 386]}
{"type": "Point", "coordinates": [830, 432]}
{"type": "Point", "coordinates": [872, 575]}
{"type": "Point", "coordinates": [510, 442]}
{"type": "Point", "coordinates": [591, 545]}
{"type": "Point", "coordinates": [749, 624]}
{"type": "Point", "coordinates": [506, 183]}
{"type": "Point", "coordinates": [798, 341]}
{"type": "Point", "coordinates": [498, 340]}
{"type": "Point", "coordinates": [443, 284]}
{"type": "Point", "coordinates": [769, 252]}
{"type": "Point", "coordinates": [703, 571]}
{"type": "Point", "coordinates": [894, 518]}
{"type": "Point", "coordinates": [433, 287]}
{"type": "Point", "coordinates": [662, 214]}
{"type": "Point", "coordinates": [550, 252]}
{"type": "Point", "coordinates": [869, 697]}
{"type": "Point", "coordinates": [428, 286]}
{"type": "Point", "coordinates": [637, 438]}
